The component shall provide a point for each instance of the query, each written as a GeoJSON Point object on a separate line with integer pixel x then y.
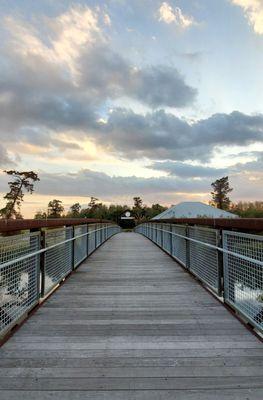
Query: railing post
{"type": "Point", "coordinates": [42, 262]}
{"type": "Point", "coordinates": [220, 267]}
{"type": "Point", "coordinates": [187, 244]}
{"type": "Point", "coordinates": [87, 240]}
{"type": "Point", "coordinates": [161, 235]}
{"type": "Point", "coordinates": [33, 274]}
{"type": "Point", "coordinates": [95, 236]}
{"type": "Point", "coordinates": [171, 239]}
{"type": "Point", "coordinates": [73, 250]}
{"type": "Point", "coordinates": [101, 233]}
{"type": "Point", "coordinates": [220, 257]}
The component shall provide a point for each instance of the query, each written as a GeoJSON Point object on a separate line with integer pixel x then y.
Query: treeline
{"type": "Point", "coordinates": [98, 210]}
{"type": "Point", "coordinates": [252, 209]}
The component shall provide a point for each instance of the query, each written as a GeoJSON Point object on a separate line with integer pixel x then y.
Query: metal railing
{"type": "Point", "coordinates": [32, 264]}
{"type": "Point", "coordinates": [229, 263]}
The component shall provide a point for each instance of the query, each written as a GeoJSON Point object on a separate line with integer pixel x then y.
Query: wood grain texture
{"type": "Point", "coordinates": [130, 323]}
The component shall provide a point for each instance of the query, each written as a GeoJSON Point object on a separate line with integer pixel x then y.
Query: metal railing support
{"type": "Point", "coordinates": [232, 268]}
{"type": "Point", "coordinates": [220, 267]}
{"type": "Point", "coordinates": [42, 264]}
{"type": "Point", "coordinates": [187, 246]}
{"type": "Point", "coordinates": [43, 259]}
{"type": "Point", "coordinates": [171, 239]}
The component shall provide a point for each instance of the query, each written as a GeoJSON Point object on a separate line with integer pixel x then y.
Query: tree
{"type": "Point", "coordinates": [248, 209]}
{"type": "Point", "coordinates": [93, 203]}
{"type": "Point", "coordinates": [23, 182]}
{"type": "Point", "coordinates": [40, 215]}
{"type": "Point", "coordinates": [138, 208]}
{"type": "Point", "coordinates": [220, 191]}
{"type": "Point", "coordinates": [137, 202]}
{"type": "Point", "coordinates": [155, 209]}
{"type": "Point", "coordinates": [55, 209]}
{"type": "Point", "coordinates": [74, 210]}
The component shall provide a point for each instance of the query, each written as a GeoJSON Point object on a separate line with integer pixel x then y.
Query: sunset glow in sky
{"type": "Point", "coordinates": [122, 98]}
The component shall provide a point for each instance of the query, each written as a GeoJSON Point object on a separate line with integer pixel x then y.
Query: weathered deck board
{"type": "Point", "coordinates": [131, 324]}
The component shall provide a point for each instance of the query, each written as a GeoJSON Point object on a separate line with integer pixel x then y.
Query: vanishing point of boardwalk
{"type": "Point", "coordinates": [130, 323]}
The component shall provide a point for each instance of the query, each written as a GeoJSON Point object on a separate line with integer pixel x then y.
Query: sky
{"type": "Point", "coordinates": [123, 98]}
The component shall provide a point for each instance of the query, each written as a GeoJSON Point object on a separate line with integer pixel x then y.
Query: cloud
{"type": "Point", "coordinates": [65, 36]}
{"type": "Point", "coordinates": [63, 75]}
{"type": "Point", "coordinates": [253, 10]}
{"type": "Point", "coordinates": [5, 160]}
{"type": "Point", "coordinates": [160, 135]}
{"type": "Point", "coordinates": [169, 189]}
{"type": "Point", "coordinates": [92, 183]}
{"type": "Point", "coordinates": [77, 60]}
{"type": "Point", "coordinates": [170, 15]}
{"type": "Point", "coordinates": [185, 170]}
{"type": "Point", "coordinates": [109, 75]}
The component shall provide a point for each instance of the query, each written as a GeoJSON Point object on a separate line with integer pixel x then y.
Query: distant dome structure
{"type": "Point", "coordinates": [194, 209]}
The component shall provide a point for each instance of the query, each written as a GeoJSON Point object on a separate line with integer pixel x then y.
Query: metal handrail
{"type": "Point", "coordinates": [35, 253]}
{"type": "Point", "coordinates": [211, 246]}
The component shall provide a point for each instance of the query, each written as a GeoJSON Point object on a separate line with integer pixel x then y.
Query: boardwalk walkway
{"type": "Point", "coordinates": [131, 324]}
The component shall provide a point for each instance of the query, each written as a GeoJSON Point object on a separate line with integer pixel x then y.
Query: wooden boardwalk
{"type": "Point", "coordinates": [131, 324]}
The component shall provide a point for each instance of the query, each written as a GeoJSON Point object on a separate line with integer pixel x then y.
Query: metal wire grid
{"type": "Point", "coordinates": [91, 238]}
{"type": "Point", "coordinates": [150, 232]}
{"type": "Point", "coordinates": [155, 232]}
{"type": "Point", "coordinates": [159, 235]}
{"type": "Point", "coordinates": [103, 233]}
{"type": "Point", "coordinates": [98, 235]}
{"type": "Point", "coordinates": [57, 261]}
{"type": "Point", "coordinates": [166, 237]}
{"type": "Point", "coordinates": [203, 261]}
{"type": "Point", "coordinates": [111, 230]}
{"type": "Point", "coordinates": [179, 244]}
{"type": "Point", "coordinates": [19, 282]}
{"type": "Point", "coordinates": [80, 244]}
{"type": "Point", "coordinates": [243, 280]}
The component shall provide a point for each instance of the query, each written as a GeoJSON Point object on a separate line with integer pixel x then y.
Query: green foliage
{"type": "Point", "coordinates": [74, 211]}
{"type": "Point", "coordinates": [55, 209]}
{"type": "Point", "coordinates": [220, 198]}
{"type": "Point", "coordinates": [138, 208]}
{"type": "Point", "coordinates": [23, 181]}
{"type": "Point", "coordinates": [151, 212]}
{"type": "Point", "coordinates": [41, 215]}
{"type": "Point", "coordinates": [248, 209]}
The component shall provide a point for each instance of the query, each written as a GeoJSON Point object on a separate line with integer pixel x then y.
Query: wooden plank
{"type": "Point", "coordinates": [131, 324]}
{"type": "Point", "coordinates": [149, 383]}
{"type": "Point", "coordinates": [214, 394]}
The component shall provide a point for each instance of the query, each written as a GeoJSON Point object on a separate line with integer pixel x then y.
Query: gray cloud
{"type": "Point", "coordinates": [160, 135]}
{"type": "Point", "coordinates": [40, 99]}
{"type": "Point", "coordinates": [87, 182]}
{"type": "Point", "coordinates": [5, 160]}
{"type": "Point", "coordinates": [184, 170]}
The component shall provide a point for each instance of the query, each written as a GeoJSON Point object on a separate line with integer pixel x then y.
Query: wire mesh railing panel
{"type": "Point", "coordinates": [178, 243]}
{"type": "Point", "coordinates": [155, 232]}
{"type": "Point", "coordinates": [91, 238]}
{"type": "Point", "coordinates": [98, 235]}
{"type": "Point", "coordinates": [159, 235]}
{"type": "Point", "coordinates": [203, 261]}
{"type": "Point", "coordinates": [104, 233]}
{"type": "Point", "coordinates": [19, 282]}
{"type": "Point", "coordinates": [167, 237]}
{"type": "Point", "coordinates": [57, 261]}
{"type": "Point", "coordinates": [243, 280]}
{"type": "Point", "coordinates": [80, 244]}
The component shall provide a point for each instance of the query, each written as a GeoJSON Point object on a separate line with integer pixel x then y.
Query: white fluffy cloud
{"type": "Point", "coordinates": [170, 15]}
{"type": "Point", "coordinates": [254, 12]}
